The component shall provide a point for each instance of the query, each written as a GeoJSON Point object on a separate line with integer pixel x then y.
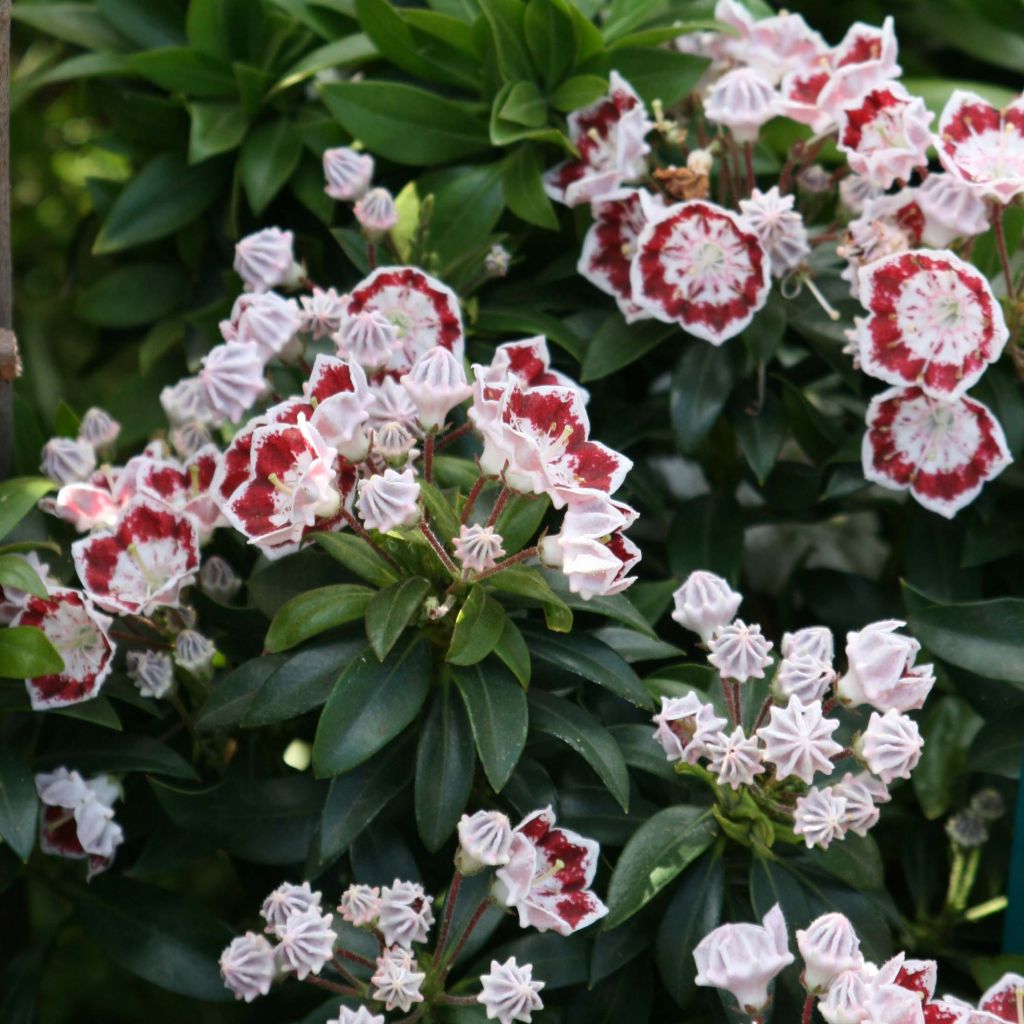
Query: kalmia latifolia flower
{"type": "Point", "coordinates": [81, 636]}
{"type": "Point", "coordinates": [685, 727]}
{"type": "Point", "coordinates": [743, 959]}
{"type": "Point", "coordinates": [983, 146]}
{"type": "Point", "coordinates": [862, 793]}
{"type": "Point", "coordinates": [864, 59]}
{"type": "Point", "coordinates": [424, 312]}
{"type": "Point", "coordinates": [610, 244]}
{"type": "Point", "coordinates": [182, 486]}
{"type": "Point", "coordinates": [742, 100]}
{"type": "Point", "coordinates": [436, 384]}
{"type": "Point", "coordinates": [360, 1015]}
{"type": "Point", "coordinates": [478, 548]}
{"type": "Point", "coordinates": [951, 208]}
{"type": "Point", "coordinates": [321, 312]}
{"type": "Point", "coordinates": [829, 945]}
{"type": "Point", "coordinates": [526, 363]}
{"type": "Point", "coordinates": [780, 228]}
{"type": "Point", "coordinates": [266, 260]}
{"type": "Point", "coordinates": [68, 459]}
{"type": "Point", "coordinates": [934, 322]}
{"type": "Point", "coordinates": [368, 338]}
{"type": "Point", "coordinates": [803, 676]}
{"type": "Point", "coordinates": [396, 982]}
{"type": "Point", "coordinates": [265, 321]}
{"type": "Point", "coordinates": [881, 669]}
{"type": "Point", "coordinates": [306, 942]}
{"type": "Point", "coordinates": [389, 500]}
{"type": "Point", "coordinates": [348, 173]}
{"type": "Point", "coordinates": [698, 265]}
{"type": "Point", "coordinates": [704, 603]}
{"type": "Point", "coordinates": [232, 377]}
{"type": "Point", "coordinates": [509, 993]}
{"type": "Point", "coordinates": [609, 136]}
{"type": "Point", "coordinates": [376, 212]}
{"type": "Point", "coordinates": [218, 580]}
{"type": "Point", "coordinates": [77, 819]}
{"type": "Point", "coordinates": [1003, 999]}
{"type": "Point", "coordinates": [740, 652]}
{"type": "Point", "coordinates": [485, 841]}
{"type": "Point", "coordinates": [819, 817]}
{"type": "Point", "coordinates": [248, 966]}
{"type": "Point", "coordinates": [885, 135]}
{"type": "Point", "coordinates": [12, 600]}
{"type": "Point", "coordinates": [890, 745]}
{"type": "Point", "coordinates": [943, 452]}
{"type": "Point", "coordinates": [548, 876]}
{"type": "Point", "coordinates": [152, 672]}
{"type": "Point", "coordinates": [405, 916]}
{"type": "Point", "coordinates": [360, 905]}
{"type": "Point", "coordinates": [99, 428]}
{"type": "Point", "coordinates": [734, 758]}
{"type": "Point", "coordinates": [144, 562]}
{"type": "Point", "coordinates": [798, 740]}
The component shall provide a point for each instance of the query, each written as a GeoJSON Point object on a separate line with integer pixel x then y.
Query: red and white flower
{"type": "Point", "coordinates": [424, 311]}
{"type": "Point", "coordinates": [934, 322]}
{"type": "Point", "coordinates": [610, 244]}
{"type": "Point", "coordinates": [1003, 999]}
{"type": "Point", "coordinates": [12, 599]}
{"type": "Point", "coordinates": [799, 93]}
{"type": "Point", "coordinates": [885, 134]}
{"type": "Point", "coordinates": [889, 224]}
{"type": "Point", "coordinates": [87, 505]}
{"type": "Point", "coordinates": [983, 146]}
{"type": "Point", "coordinates": [548, 877]}
{"type": "Point", "coordinates": [526, 363]}
{"type": "Point", "coordinates": [698, 265]}
{"type": "Point", "coordinates": [185, 487]}
{"type": "Point", "coordinates": [942, 452]}
{"type": "Point", "coordinates": [144, 562]}
{"type": "Point", "coordinates": [609, 136]}
{"type": "Point", "coordinates": [865, 58]}
{"type": "Point", "coordinates": [81, 636]}
{"type": "Point", "coordinates": [591, 548]}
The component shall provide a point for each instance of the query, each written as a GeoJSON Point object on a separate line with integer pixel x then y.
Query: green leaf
{"type": "Point", "coordinates": [577, 92]}
{"type": "Point", "coordinates": [25, 652]}
{"type": "Point", "coordinates": [232, 696]}
{"type": "Point", "coordinates": [100, 752]}
{"type": "Point", "coordinates": [133, 295]}
{"type": "Point", "coordinates": [348, 52]}
{"type": "Point", "coordinates": [18, 802]}
{"type": "Point", "coordinates": [180, 69]}
{"type": "Point", "coordinates": [444, 768]}
{"type": "Point", "coordinates": [478, 628]}
{"type": "Point", "coordinates": [547, 29]}
{"type": "Point", "coordinates": [164, 196]}
{"type": "Point", "coordinates": [498, 714]}
{"type": "Point", "coordinates": [506, 21]}
{"type": "Point", "coordinates": [17, 573]}
{"type": "Point", "coordinates": [266, 162]}
{"type": "Point", "coordinates": [654, 73]}
{"type": "Point", "coordinates": [761, 435]}
{"type": "Point", "coordinates": [617, 344]}
{"type": "Point", "coordinates": [858, 862]}
{"type": "Point", "coordinates": [404, 123]}
{"type": "Point", "coordinates": [986, 637]}
{"type": "Point", "coordinates": [159, 935]}
{"type": "Point", "coordinates": [694, 910]}
{"type": "Point", "coordinates": [314, 612]}
{"type": "Point", "coordinates": [215, 128]}
{"type": "Point", "coordinates": [701, 385]}
{"type": "Point", "coordinates": [581, 731]}
{"type": "Point", "coordinates": [358, 796]}
{"type": "Point", "coordinates": [520, 519]}
{"type": "Point", "coordinates": [444, 521]}
{"type": "Point", "coordinates": [18, 497]}
{"type": "Point", "coordinates": [707, 533]}
{"type": "Point", "coordinates": [147, 23]}
{"type": "Point", "coordinates": [524, 105]}
{"type": "Point", "coordinates": [524, 189]}
{"type": "Point", "coordinates": [79, 24]}
{"type": "Point", "coordinates": [512, 650]}
{"type": "Point", "coordinates": [467, 205]}
{"type": "Point", "coordinates": [659, 850]}
{"type": "Point", "coordinates": [948, 729]}
{"type": "Point", "coordinates": [358, 557]}
{"type": "Point", "coordinates": [505, 131]}
{"type": "Point", "coordinates": [391, 610]}
{"type": "Point", "coordinates": [587, 657]}
{"type": "Point", "coordinates": [370, 705]}
{"type": "Point", "coordinates": [65, 421]}
{"type": "Point", "coordinates": [527, 583]}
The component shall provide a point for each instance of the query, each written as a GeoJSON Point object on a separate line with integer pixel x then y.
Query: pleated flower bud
{"type": "Point", "coordinates": [368, 338]}
{"type": "Point", "coordinates": [742, 100]}
{"type": "Point", "coordinates": [67, 460]}
{"type": "Point", "coordinates": [99, 428]}
{"type": "Point", "coordinates": [396, 980]}
{"type": "Point", "coordinates": [286, 901]}
{"type": "Point", "coordinates": [347, 173]}
{"type": "Point", "coordinates": [219, 580]}
{"type": "Point", "coordinates": [266, 259]}
{"type": "Point", "coordinates": [509, 993]}
{"type": "Point", "coordinates": [247, 966]}
{"type": "Point", "coordinates": [376, 213]}
{"type": "Point", "coordinates": [360, 905]}
{"type": "Point", "coordinates": [307, 942]}
{"type": "Point", "coordinates": [405, 914]}
{"type": "Point", "coordinates": [891, 745]}
{"type": "Point", "coordinates": [811, 641]}
{"type": "Point", "coordinates": [802, 676]}
{"type": "Point", "coordinates": [152, 672]}
{"type": "Point", "coordinates": [740, 652]}
{"type": "Point", "coordinates": [819, 817]}
{"type": "Point", "coordinates": [485, 841]}
{"type": "Point", "coordinates": [829, 946]}
{"type": "Point", "coordinates": [232, 379]}
{"type": "Point", "coordinates": [478, 547]}
{"type": "Point", "coordinates": [705, 603]}
{"type": "Point", "coordinates": [394, 441]}
{"type": "Point", "coordinates": [436, 384]}
{"type": "Point", "coordinates": [798, 740]}
{"type": "Point", "coordinates": [389, 500]}
{"type": "Point", "coordinates": [193, 651]}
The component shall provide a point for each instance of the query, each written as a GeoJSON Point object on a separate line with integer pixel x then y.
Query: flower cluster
{"type": "Point", "coordinates": [77, 820]}
{"type": "Point", "coordinates": [384, 378]}
{"type": "Point", "coordinates": [780, 756]}
{"type": "Point", "coordinates": [934, 324]}
{"type": "Point", "coordinates": [540, 871]}
{"type": "Point", "coordinates": [744, 959]}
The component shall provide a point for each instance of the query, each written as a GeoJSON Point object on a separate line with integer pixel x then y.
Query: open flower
{"type": "Point", "coordinates": [865, 58]}
{"type": "Point", "coordinates": [424, 312]}
{"type": "Point", "coordinates": [77, 820]}
{"type": "Point", "coordinates": [698, 265]}
{"type": "Point", "coordinates": [881, 669]}
{"type": "Point", "coordinates": [983, 146]}
{"type": "Point", "coordinates": [951, 208]}
{"type": "Point", "coordinates": [526, 363]}
{"type": "Point", "coordinates": [942, 452]}
{"type": "Point", "coordinates": [1003, 999]}
{"type": "Point", "coordinates": [509, 993]}
{"type": "Point", "coordinates": [143, 562]}
{"type": "Point", "coordinates": [609, 136]}
{"type": "Point", "coordinates": [183, 486]}
{"type": "Point", "coordinates": [798, 740]}
{"type": "Point", "coordinates": [81, 636]}
{"type": "Point", "coordinates": [743, 959]}
{"type": "Point", "coordinates": [685, 726]}
{"type": "Point", "coordinates": [934, 322]}
{"type": "Point", "coordinates": [547, 879]}
{"type": "Point", "coordinates": [610, 244]}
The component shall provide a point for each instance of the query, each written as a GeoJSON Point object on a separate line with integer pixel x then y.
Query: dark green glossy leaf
{"type": "Point", "coordinates": [232, 696]}
{"type": "Point", "coordinates": [761, 434]}
{"type": "Point", "coordinates": [180, 69]}
{"type": "Point", "coordinates": [617, 344]}
{"type": "Point", "coordinates": [467, 204]}
{"type": "Point", "coordinates": [266, 162]}
{"type": "Point", "coordinates": [478, 628]}
{"type": "Point", "coordinates": [18, 497]}
{"type": "Point", "coordinates": [512, 650]}
{"type": "Point", "coordinates": [132, 296]}
{"type": "Point", "coordinates": [370, 705]}
{"type": "Point", "coordinates": [547, 30]}
{"type": "Point", "coordinates": [701, 385]}
{"type": "Point", "coordinates": [707, 533]}
{"type": "Point", "coordinates": [506, 21]}
{"type": "Point", "coordinates": [92, 752]}
{"type": "Point", "coordinates": [81, 24]}
{"type": "Point", "coordinates": [18, 802]}
{"type": "Point", "coordinates": [524, 189]}
{"type": "Point", "coordinates": [527, 583]}
{"type": "Point", "coordinates": [391, 610]}
{"type": "Point", "coordinates": [316, 611]}
{"type": "Point", "coordinates": [215, 128]}
{"type": "Point", "coordinates": [17, 573]}
{"type": "Point", "coordinates": [358, 557]}
{"type": "Point", "coordinates": [350, 51]}
{"type": "Point", "coordinates": [25, 652]}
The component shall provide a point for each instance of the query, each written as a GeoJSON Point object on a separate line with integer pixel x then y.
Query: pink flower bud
{"type": "Point", "coordinates": [819, 817]}
{"type": "Point", "coordinates": [891, 745]}
{"type": "Point", "coordinates": [485, 840]}
{"type": "Point", "coordinates": [306, 942]}
{"type": "Point", "coordinates": [798, 740]}
{"type": "Point", "coordinates": [478, 547]}
{"type": "Point", "coordinates": [348, 173]}
{"type": "Point", "coordinates": [193, 651]}
{"type": "Point", "coordinates": [734, 758]}
{"type": "Point", "coordinates": [705, 603]}
{"type": "Point", "coordinates": [396, 980]}
{"type": "Point", "coordinates": [509, 993]}
{"type": "Point", "coordinates": [389, 500]}
{"type": "Point", "coordinates": [247, 966]}
{"type": "Point", "coordinates": [367, 337]}
{"type": "Point", "coordinates": [99, 428]}
{"type": "Point", "coordinates": [405, 914]}
{"type": "Point", "coordinates": [232, 378]}
{"type": "Point", "coordinates": [219, 580]}
{"type": "Point", "coordinates": [829, 946]}
{"type": "Point", "coordinates": [266, 260]}
{"type": "Point", "coordinates": [376, 212]}
{"type": "Point", "coordinates": [265, 320]}
{"type": "Point", "coordinates": [740, 652]}
{"type": "Point", "coordinates": [881, 669]}
{"type": "Point", "coordinates": [802, 676]}
{"type": "Point", "coordinates": [742, 100]}
{"type": "Point", "coordinates": [360, 905]}
{"type": "Point", "coordinates": [436, 384]}
{"type": "Point", "coordinates": [685, 725]}
{"type": "Point", "coordinates": [811, 641]}
{"type": "Point", "coordinates": [322, 312]}
{"type": "Point", "coordinates": [152, 672]}
{"type": "Point", "coordinates": [67, 460]}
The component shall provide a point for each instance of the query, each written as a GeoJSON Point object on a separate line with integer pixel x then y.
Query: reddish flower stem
{"type": "Point", "coordinates": [474, 493]}
{"type": "Point", "coordinates": [453, 435]}
{"type": "Point", "coordinates": [446, 963]}
{"type": "Point", "coordinates": [361, 531]}
{"type": "Point", "coordinates": [332, 986]}
{"type": "Point", "coordinates": [354, 957]}
{"type": "Point", "coordinates": [428, 457]}
{"type": "Point", "coordinates": [748, 157]}
{"type": "Point", "coordinates": [732, 700]}
{"type": "Point", "coordinates": [447, 1000]}
{"type": "Point", "coordinates": [522, 556]}
{"type": "Point", "coordinates": [449, 907]}
{"type": "Point", "coordinates": [762, 714]}
{"type": "Point", "coordinates": [371, 255]}
{"type": "Point", "coordinates": [808, 1010]}
{"type": "Point", "coordinates": [499, 504]}
{"type": "Point", "coordinates": [1004, 254]}
{"type": "Point", "coordinates": [438, 547]}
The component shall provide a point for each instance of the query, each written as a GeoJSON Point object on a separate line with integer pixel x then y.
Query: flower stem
{"type": "Point", "coordinates": [361, 531]}
{"type": "Point", "coordinates": [522, 556]}
{"type": "Point", "coordinates": [428, 457]}
{"type": "Point", "coordinates": [331, 986]}
{"type": "Point", "coordinates": [474, 493]}
{"type": "Point", "coordinates": [763, 713]}
{"type": "Point", "coordinates": [748, 157]}
{"type": "Point", "coordinates": [435, 543]}
{"type": "Point", "coordinates": [447, 1000]}
{"type": "Point", "coordinates": [1004, 254]}
{"type": "Point", "coordinates": [449, 907]}
{"type": "Point", "coordinates": [453, 435]}
{"type": "Point", "coordinates": [732, 700]}
{"type": "Point", "coordinates": [354, 957]}
{"type": "Point", "coordinates": [808, 1010]}
{"type": "Point", "coordinates": [371, 255]}
{"type": "Point", "coordinates": [449, 959]}
{"type": "Point", "coordinates": [499, 504]}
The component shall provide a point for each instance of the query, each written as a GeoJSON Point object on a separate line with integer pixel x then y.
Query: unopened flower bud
{"type": "Point", "coordinates": [348, 173]}
{"type": "Point", "coordinates": [967, 829]}
{"type": "Point", "coordinates": [151, 671]}
{"type": "Point", "coordinates": [497, 261]}
{"type": "Point", "coordinates": [436, 383]}
{"type": "Point", "coordinates": [193, 651]}
{"type": "Point", "coordinates": [485, 841]}
{"type": "Point", "coordinates": [705, 603]}
{"type": "Point", "coordinates": [988, 804]}
{"type": "Point", "coordinates": [376, 213]}
{"type": "Point", "coordinates": [478, 547]}
{"type": "Point", "coordinates": [266, 260]}
{"type": "Point", "coordinates": [509, 993]}
{"type": "Point", "coordinates": [219, 580]}
{"type": "Point", "coordinates": [307, 942]}
{"type": "Point", "coordinates": [829, 946]}
{"type": "Point", "coordinates": [890, 746]}
{"type": "Point", "coordinates": [394, 441]}
{"type": "Point", "coordinates": [247, 966]}
{"type": "Point", "coordinates": [405, 914]}
{"type": "Point", "coordinates": [99, 428]}
{"type": "Point", "coordinates": [368, 338]}
{"type": "Point", "coordinates": [67, 460]}
{"type": "Point", "coordinates": [388, 500]}
{"type": "Point", "coordinates": [360, 905]}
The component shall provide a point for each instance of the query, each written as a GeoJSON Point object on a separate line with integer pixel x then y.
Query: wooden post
{"type": "Point", "coordinates": [9, 362]}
